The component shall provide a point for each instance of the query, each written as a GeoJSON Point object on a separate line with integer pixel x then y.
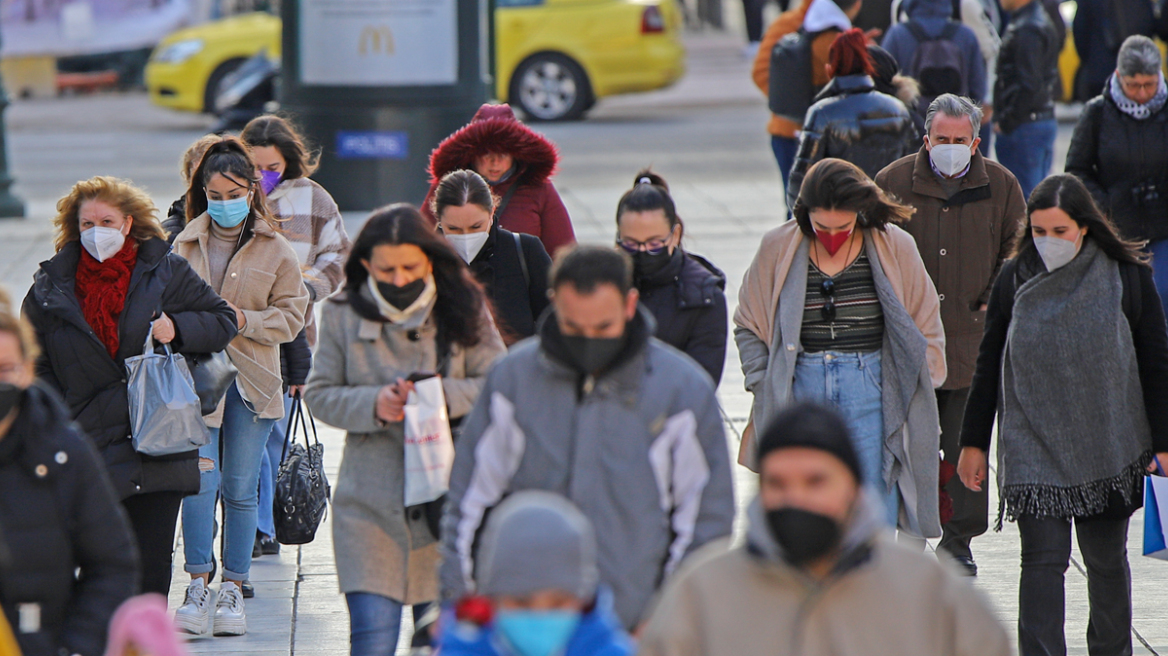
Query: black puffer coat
{"type": "Point", "coordinates": [60, 514]}
{"type": "Point", "coordinates": [518, 302]}
{"type": "Point", "coordinates": [1028, 77]}
{"type": "Point", "coordinates": [176, 219]}
{"type": "Point", "coordinates": [1124, 162]}
{"type": "Point", "coordinates": [76, 363]}
{"type": "Point", "coordinates": [853, 121]}
{"type": "Point", "coordinates": [688, 302]}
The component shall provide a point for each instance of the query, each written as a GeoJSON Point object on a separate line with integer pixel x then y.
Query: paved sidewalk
{"type": "Point", "coordinates": [705, 135]}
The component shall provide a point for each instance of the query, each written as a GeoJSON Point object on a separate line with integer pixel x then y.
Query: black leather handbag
{"type": "Point", "coordinates": [213, 374]}
{"type": "Point", "coordinates": [302, 490]}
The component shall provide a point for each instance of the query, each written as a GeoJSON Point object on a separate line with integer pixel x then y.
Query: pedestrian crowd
{"type": "Point", "coordinates": [919, 292]}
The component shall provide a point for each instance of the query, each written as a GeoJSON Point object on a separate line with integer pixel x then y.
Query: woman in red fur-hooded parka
{"type": "Point", "coordinates": [518, 163]}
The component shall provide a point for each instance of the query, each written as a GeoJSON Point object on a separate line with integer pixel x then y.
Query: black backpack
{"type": "Point", "coordinates": [938, 63]}
{"type": "Point", "coordinates": [791, 90]}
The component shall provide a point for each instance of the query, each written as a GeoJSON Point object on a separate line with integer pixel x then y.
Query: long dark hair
{"type": "Point", "coordinates": [650, 192]}
{"type": "Point", "coordinates": [1070, 195]}
{"type": "Point", "coordinates": [299, 160]}
{"type": "Point", "coordinates": [833, 184]}
{"type": "Point", "coordinates": [462, 308]}
{"type": "Point", "coordinates": [227, 157]}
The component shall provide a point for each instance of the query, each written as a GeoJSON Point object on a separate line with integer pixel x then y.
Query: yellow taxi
{"type": "Point", "coordinates": [554, 58]}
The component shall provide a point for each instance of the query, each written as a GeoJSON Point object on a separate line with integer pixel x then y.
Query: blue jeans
{"type": "Point", "coordinates": [1028, 152]}
{"type": "Point", "coordinates": [375, 623]}
{"type": "Point", "coordinates": [237, 478]}
{"type": "Point", "coordinates": [851, 383]}
{"type": "Point", "coordinates": [269, 467]}
{"type": "Point", "coordinates": [785, 150]}
{"type": "Point", "coordinates": [1159, 252]}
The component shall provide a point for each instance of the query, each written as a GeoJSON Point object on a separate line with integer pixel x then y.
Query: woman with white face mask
{"type": "Point", "coordinates": [1076, 350]}
{"type": "Point", "coordinates": [512, 266]}
{"type": "Point", "coordinates": [112, 283]}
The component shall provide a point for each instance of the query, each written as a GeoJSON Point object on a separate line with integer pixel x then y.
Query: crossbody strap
{"type": "Point", "coordinates": [522, 261]}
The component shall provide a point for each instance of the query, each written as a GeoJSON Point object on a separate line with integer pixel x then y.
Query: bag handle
{"type": "Point", "coordinates": [298, 411]}
{"type": "Point", "coordinates": [148, 346]}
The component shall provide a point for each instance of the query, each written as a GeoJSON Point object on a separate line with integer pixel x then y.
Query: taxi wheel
{"type": "Point", "coordinates": [215, 79]}
{"type": "Point", "coordinates": [551, 87]}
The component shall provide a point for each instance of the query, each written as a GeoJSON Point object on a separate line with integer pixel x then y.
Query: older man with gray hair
{"type": "Point", "coordinates": [1118, 150]}
{"type": "Point", "coordinates": [967, 211]}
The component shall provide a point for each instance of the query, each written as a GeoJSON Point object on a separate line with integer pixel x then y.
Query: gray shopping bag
{"type": "Point", "coordinates": [166, 416]}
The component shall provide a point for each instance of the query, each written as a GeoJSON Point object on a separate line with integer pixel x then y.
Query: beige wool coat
{"type": "Point", "coordinates": [262, 280]}
{"type": "Point", "coordinates": [380, 547]}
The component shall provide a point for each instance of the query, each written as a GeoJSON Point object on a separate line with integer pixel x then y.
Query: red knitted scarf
{"type": "Point", "coordinates": [101, 289]}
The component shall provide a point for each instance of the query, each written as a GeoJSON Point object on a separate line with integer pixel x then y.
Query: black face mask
{"type": "Point", "coordinates": [9, 396]}
{"type": "Point", "coordinates": [648, 263]}
{"type": "Point", "coordinates": [593, 355]}
{"type": "Point", "coordinates": [804, 536]}
{"type": "Point", "coordinates": [404, 296]}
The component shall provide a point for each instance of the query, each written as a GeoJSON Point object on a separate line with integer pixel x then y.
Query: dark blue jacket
{"type": "Point", "coordinates": [599, 634]}
{"type": "Point", "coordinates": [933, 16]}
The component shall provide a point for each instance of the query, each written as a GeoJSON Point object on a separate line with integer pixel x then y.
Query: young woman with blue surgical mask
{"type": "Point", "coordinates": [230, 240]}
{"type": "Point", "coordinates": [1074, 368]}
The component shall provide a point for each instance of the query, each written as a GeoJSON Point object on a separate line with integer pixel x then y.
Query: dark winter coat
{"type": "Point", "coordinates": [1099, 28]}
{"type": "Point", "coordinates": [963, 240]}
{"type": "Point", "coordinates": [296, 360]}
{"type": "Point", "coordinates": [1144, 312]}
{"type": "Point", "coordinates": [853, 121]}
{"type": "Point", "coordinates": [535, 207]}
{"type": "Point", "coordinates": [176, 219]}
{"type": "Point", "coordinates": [61, 514]}
{"type": "Point", "coordinates": [1027, 69]}
{"type": "Point", "coordinates": [518, 302]}
{"type": "Point", "coordinates": [77, 364]}
{"type": "Point", "coordinates": [1113, 154]}
{"type": "Point", "coordinates": [688, 301]}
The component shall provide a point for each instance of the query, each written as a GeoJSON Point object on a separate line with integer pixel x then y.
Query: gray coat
{"type": "Point", "coordinates": [911, 424]}
{"type": "Point", "coordinates": [641, 450]}
{"type": "Point", "coordinates": [379, 549]}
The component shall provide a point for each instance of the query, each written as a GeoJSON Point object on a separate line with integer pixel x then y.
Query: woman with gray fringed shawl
{"type": "Point", "coordinates": [1074, 363]}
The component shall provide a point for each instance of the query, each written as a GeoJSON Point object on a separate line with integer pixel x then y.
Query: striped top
{"type": "Point", "coordinates": [858, 324]}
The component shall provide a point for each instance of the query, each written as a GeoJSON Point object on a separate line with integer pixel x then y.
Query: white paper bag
{"type": "Point", "coordinates": [429, 444]}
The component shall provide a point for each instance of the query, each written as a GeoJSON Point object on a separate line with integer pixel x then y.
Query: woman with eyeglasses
{"type": "Point", "coordinates": [683, 291]}
{"type": "Point", "coordinates": [837, 308]}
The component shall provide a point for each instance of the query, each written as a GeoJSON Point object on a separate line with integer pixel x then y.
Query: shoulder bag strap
{"type": "Point", "coordinates": [502, 206]}
{"type": "Point", "coordinates": [522, 260]}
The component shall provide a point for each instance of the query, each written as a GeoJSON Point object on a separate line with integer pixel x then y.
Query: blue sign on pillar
{"type": "Point", "coordinates": [372, 145]}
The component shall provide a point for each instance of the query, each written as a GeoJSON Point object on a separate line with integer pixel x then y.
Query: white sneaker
{"type": "Point", "coordinates": [194, 616]}
{"type": "Point", "coordinates": [229, 617]}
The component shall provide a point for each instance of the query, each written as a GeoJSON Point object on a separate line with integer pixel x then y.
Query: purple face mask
{"type": "Point", "coordinates": [269, 180]}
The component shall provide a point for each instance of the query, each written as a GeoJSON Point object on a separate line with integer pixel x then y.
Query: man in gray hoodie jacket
{"type": "Point", "coordinates": [596, 409]}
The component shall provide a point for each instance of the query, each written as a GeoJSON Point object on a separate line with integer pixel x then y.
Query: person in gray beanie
{"type": "Point", "coordinates": [537, 587]}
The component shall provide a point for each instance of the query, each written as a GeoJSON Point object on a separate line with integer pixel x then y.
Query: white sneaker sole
{"type": "Point", "coordinates": [193, 625]}
{"type": "Point", "coordinates": [230, 627]}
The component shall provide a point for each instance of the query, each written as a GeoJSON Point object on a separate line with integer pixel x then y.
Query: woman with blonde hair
{"type": "Point", "coordinates": [112, 283]}
{"type": "Point", "coordinates": [230, 240]}
{"type": "Point", "coordinates": [837, 308]}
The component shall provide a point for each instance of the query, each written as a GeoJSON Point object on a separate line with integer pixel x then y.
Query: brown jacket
{"type": "Point", "coordinates": [883, 600]}
{"type": "Point", "coordinates": [786, 23]}
{"type": "Point", "coordinates": [963, 241]}
{"type": "Point", "coordinates": [263, 280]}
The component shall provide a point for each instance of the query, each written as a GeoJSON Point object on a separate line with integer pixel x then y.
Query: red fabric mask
{"type": "Point", "coordinates": [833, 242]}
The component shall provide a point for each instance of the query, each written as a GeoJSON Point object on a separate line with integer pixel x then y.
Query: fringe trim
{"type": "Point", "coordinates": [1078, 501]}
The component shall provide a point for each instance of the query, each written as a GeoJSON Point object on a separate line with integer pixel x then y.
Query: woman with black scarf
{"type": "Point", "coordinates": [683, 291]}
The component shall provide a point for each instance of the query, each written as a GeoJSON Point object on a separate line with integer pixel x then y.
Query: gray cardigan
{"type": "Point", "coordinates": [911, 424]}
{"type": "Point", "coordinates": [379, 547]}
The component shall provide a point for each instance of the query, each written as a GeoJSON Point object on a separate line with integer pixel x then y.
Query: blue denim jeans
{"type": "Point", "coordinates": [851, 383]}
{"type": "Point", "coordinates": [1159, 252]}
{"type": "Point", "coordinates": [237, 477]}
{"type": "Point", "coordinates": [785, 150]}
{"type": "Point", "coordinates": [375, 623]}
{"type": "Point", "coordinates": [1028, 152]}
{"type": "Point", "coordinates": [269, 467]}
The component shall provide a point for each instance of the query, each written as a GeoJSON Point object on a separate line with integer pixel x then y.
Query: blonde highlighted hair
{"type": "Point", "coordinates": [13, 323]}
{"type": "Point", "coordinates": [115, 192]}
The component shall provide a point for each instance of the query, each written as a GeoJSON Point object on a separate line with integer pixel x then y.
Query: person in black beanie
{"type": "Point", "coordinates": [818, 571]}
{"type": "Point", "coordinates": [888, 79]}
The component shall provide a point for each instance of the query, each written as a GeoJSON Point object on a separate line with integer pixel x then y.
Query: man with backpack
{"type": "Point", "coordinates": [939, 52]}
{"type": "Point", "coordinates": [789, 67]}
